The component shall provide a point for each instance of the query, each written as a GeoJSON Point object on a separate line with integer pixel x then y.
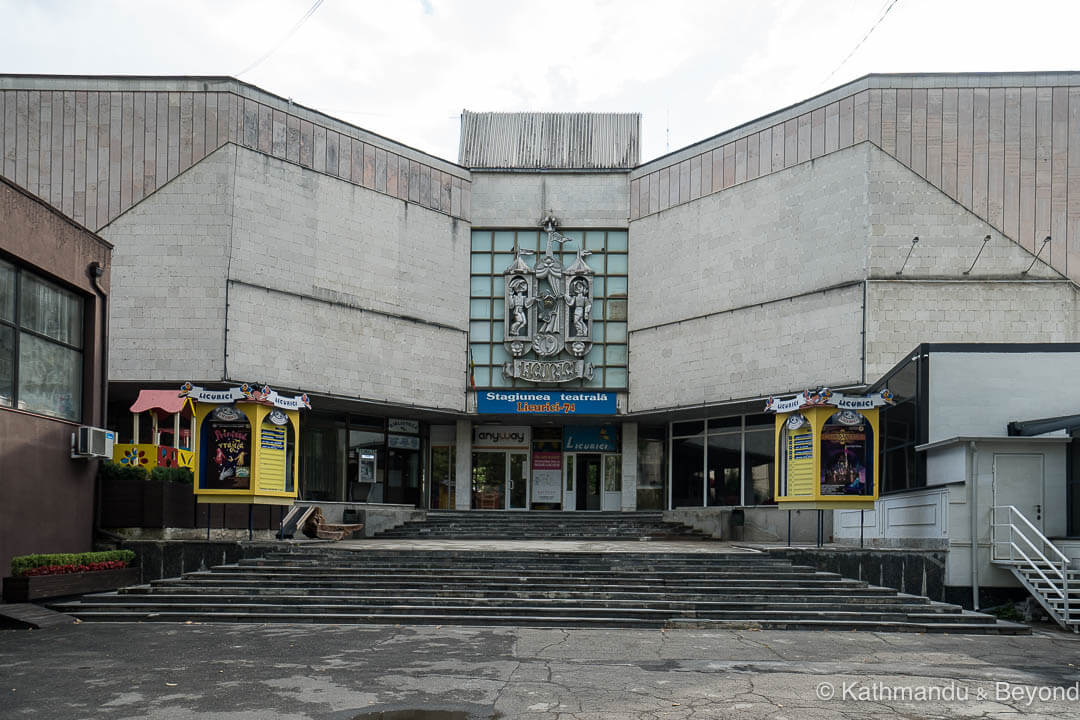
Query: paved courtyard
{"type": "Point", "coordinates": [241, 672]}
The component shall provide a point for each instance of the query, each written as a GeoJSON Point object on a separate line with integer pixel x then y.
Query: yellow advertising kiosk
{"type": "Point", "coordinates": [245, 444]}
{"type": "Point", "coordinates": [827, 450]}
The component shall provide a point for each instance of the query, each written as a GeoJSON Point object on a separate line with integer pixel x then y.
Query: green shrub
{"type": "Point", "coordinates": [175, 474]}
{"type": "Point", "coordinates": [109, 471]}
{"type": "Point", "coordinates": [21, 563]}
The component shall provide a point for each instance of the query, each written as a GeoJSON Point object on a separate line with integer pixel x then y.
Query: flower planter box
{"type": "Point", "coordinates": [36, 587]}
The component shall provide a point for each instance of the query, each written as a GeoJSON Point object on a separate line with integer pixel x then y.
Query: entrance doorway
{"type": "Point", "coordinates": [589, 470]}
{"type": "Point", "coordinates": [593, 481]}
{"type": "Point", "coordinates": [500, 480]}
{"type": "Point", "coordinates": [1019, 481]}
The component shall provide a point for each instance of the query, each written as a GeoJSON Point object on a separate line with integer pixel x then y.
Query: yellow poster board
{"type": "Point", "coordinates": [246, 453]}
{"type": "Point", "coordinates": [827, 450]}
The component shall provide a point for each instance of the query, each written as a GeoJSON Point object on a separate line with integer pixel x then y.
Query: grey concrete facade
{"type": "Point", "coordinates": [298, 250]}
{"type": "Point", "coordinates": [276, 271]}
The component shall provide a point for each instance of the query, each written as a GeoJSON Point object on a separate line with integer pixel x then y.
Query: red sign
{"type": "Point", "coordinates": [547, 461]}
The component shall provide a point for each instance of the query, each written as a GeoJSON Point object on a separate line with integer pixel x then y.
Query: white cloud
{"type": "Point", "coordinates": [406, 69]}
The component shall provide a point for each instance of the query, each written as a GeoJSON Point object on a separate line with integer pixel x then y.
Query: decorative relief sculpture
{"type": "Point", "coordinates": [536, 319]}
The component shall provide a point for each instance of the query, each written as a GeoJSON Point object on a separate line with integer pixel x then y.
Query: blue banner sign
{"type": "Point", "coordinates": [539, 402]}
{"type": "Point", "coordinates": [589, 438]}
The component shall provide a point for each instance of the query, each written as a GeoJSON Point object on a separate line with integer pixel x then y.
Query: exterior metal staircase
{"type": "Point", "coordinates": [1037, 563]}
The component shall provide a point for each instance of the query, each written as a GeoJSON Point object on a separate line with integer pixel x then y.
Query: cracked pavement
{"type": "Point", "coordinates": [242, 672]}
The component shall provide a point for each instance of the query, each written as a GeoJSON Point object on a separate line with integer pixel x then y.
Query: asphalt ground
{"type": "Point", "coordinates": [242, 672]}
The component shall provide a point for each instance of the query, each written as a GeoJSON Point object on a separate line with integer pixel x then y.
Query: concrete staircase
{"type": "Point", "coordinates": [540, 525]}
{"type": "Point", "coordinates": [560, 589]}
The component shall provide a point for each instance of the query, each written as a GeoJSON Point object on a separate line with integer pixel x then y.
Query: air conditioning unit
{"type": "Point", "coordinates": [90, 442]}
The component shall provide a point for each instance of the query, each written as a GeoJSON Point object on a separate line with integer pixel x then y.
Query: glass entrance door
{"type": "Point", "coordinates": [589, 481]}
{"type": "Point", "coordinates": [518, 479]}
{"type": "Point", "coordinates": [488, 480]}
{"type": "Point", "coordinates": [500, 480]}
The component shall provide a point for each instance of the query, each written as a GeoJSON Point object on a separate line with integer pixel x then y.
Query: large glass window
{"type": "Point", "coordinates": [321, 459]}
{"type": "Point", "coordinates": [367, 463]}
{"type": "Point", "coordinates": [613, 473]}
{"type": "Point", "coordinates": [687, 472]}
{"type": "Point", "coordinates": [492, 253]}
{"type": "Point", "coordinates": [443, 482]}
{"type": "Point", "coordinates": [902, 426]}
{"type": "Point", "coordinates": [7, 366]}
{"type": "Point", "coordinates": [41, 343]}
{"type": "Point", "coordinates": [651, 469]}
{"type": "Point", "coordinates": [722, 461]}
{"type": "Point", "coordinates": [759, 446]}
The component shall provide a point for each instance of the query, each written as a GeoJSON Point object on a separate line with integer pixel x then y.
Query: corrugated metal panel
{"type": "Point", "coordinates": [579, 141]}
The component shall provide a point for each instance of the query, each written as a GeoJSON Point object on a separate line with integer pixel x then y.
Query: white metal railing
{"type": "Point", "coordinates": [1015, 541]}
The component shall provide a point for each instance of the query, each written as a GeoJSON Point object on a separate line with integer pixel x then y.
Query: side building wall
{"type": "Point", "coordinates": [167, 320]}
{"type": "Point", "coordinates": [810, 276]}
{"type": "Point", "coordinates": [752, 291]}
{"type": "Point", "coordinates": [522, 199]}
{"type": "Point", "coordinates": [49, 497]}
{"type": "Point", "coordinates": [304, 281]}
{"type": "Point", "coordinates": [950, 286]}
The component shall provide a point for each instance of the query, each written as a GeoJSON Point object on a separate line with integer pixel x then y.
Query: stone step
{"type": "Point", "coordinates": [564, 621]}
{"type": "Point", "coordinates": [523, 535]}
{"type": "Point", "coordinates": [582, 516]}
{"type": "Point", "coordinates": [363, 559]}
{"type": "Point", "coordinates": [572, 580]}
{"type": "Point", "coordinates": [339, 600]}
{"type": "Point", "coordinates": [528, 589]}
{"type": "Point", "coordinates": [749, 594]}
{"type": "Point", "coordinates": [583, 574]}
{"type": "Point", "coordinates": [327, 553]}
{"type": "Point", "coordinates": [550, 525]}
{"type": "Point", "coordinates": [516, 582]}
{"type": "Point", "coordinates": [531, 609]}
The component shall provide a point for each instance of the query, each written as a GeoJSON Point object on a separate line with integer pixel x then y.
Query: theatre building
{"type": "Point", "coordinates": [551, 323]}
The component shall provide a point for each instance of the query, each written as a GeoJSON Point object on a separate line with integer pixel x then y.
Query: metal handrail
{"type": "Point", "coordinates": [1035, 567]}
{"type": "Point", "coordinates": [1013, 530]}
{"type": "Point", "coordinates": [1063, 615]}
{"type": "Point", "coordinates": [1038, 533]}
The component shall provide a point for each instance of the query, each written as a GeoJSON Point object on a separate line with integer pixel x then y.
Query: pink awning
{"type": "Point", "coordinates": [166, 400]}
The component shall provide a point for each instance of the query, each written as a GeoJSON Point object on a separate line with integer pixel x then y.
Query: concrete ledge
{"type": "Point", "coordinates": [911, 570]}
{"type": "Point", "coordinates": [762, 523]}
{"type": "Point", "coordinates": [172, 558]}
{"type": "Point", "coordinates": [376, 517]}
{"type": "Point", "coordinates": [895, 543]}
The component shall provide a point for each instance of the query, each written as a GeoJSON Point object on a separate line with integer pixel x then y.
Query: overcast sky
{"type": "Point", "coordinates": [406, 68]}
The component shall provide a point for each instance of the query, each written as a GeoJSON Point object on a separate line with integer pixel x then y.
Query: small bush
{"type": "Point", "coordinates": [175, 474]}
{"type": "Point", "coordinates": [24, 564]}
{"type": "Point", "coordinates": [110, 471]}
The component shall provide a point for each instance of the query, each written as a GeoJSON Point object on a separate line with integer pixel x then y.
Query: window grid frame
{"type": "Point", "coordinates": [491, 370]}
{"type": "Point", "coordinates": [17, 329]}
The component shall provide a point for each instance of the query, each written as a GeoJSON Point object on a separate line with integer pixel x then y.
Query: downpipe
{"type": "Point", "coordinates": [973, 496]}
{"type": "Point", "coordinates": [95, 270]}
